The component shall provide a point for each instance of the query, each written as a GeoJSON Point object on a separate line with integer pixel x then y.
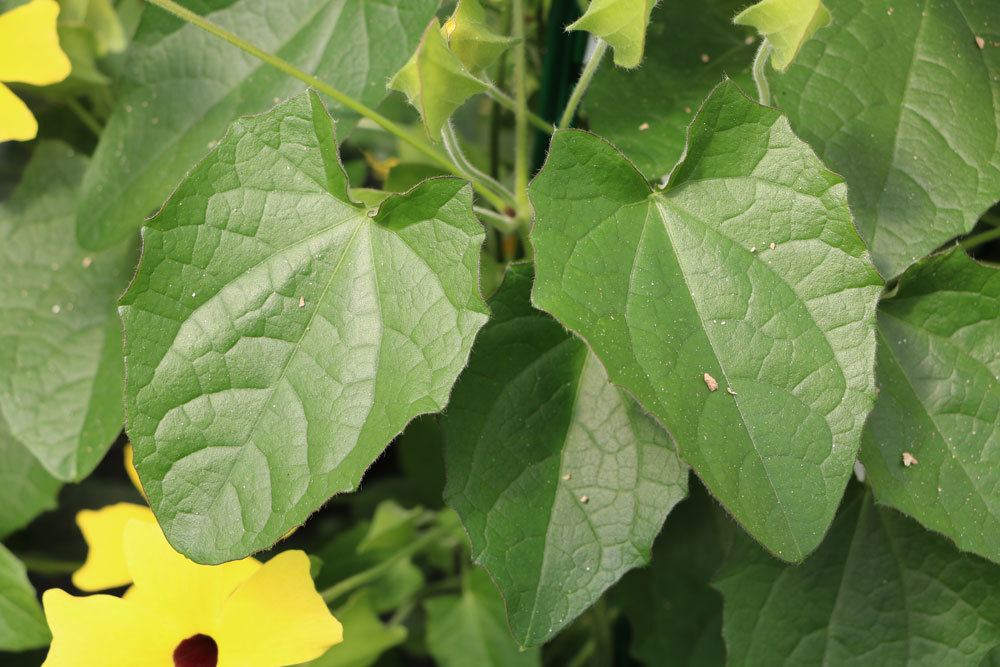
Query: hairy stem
{"type": "Point", "coordinates": [509, 103]}
{"type": "Point", "coordinates": [520, 113]}
{"type": "Point", "coordinates": [760, 73]}
{"type": "Point", "coordinates": [583, 83]}
{"type": "Point", "coordinates": [342, 98]}
{"type": "Point", "coordinates": [977, 240]}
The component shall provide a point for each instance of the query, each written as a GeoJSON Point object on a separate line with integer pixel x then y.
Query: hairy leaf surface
{"type": "Point", "coordinates": [278, 335]}
{"type": "Point", "coordinates": [561, 480]}
{"type": "Point", "coordinates": [645, 112]}
{"type": "Point", "coordinates": [182, 88]}
{"type": "Point", "coordinates": [880, 591]}
{"type": "Point", "coordinates": [745, 274]}
{"type": "Point", "coordinates": [786, 24]}
{"type": "Point", "coordinates": [60, 340]}
{"type": "Point", "coordinates": [620, 23]}
{"type": "Point", "coordinates": [900, 99]}
{"type": "Point", "coordinates": [939, 401]}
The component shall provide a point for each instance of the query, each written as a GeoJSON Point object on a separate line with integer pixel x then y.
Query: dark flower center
{"type": "Point", "coordinates": [197, 651]}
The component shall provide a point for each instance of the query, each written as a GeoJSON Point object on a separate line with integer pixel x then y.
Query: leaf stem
{"type": "Point", "coordinates": [583, 83]}
{"type": "Point", "coordinates": [85, 116]}
{"type": "Point", "coordinates": [41, 564]}
{"type": "Point", "coordinates": [509, 103]}
{"type": "Point", "coordinates": [520, 112]}
{"type": "Point", "coordinates": [979, 239]}
{"type": "Point", "coordinates": [454, 149]}
{"type": "Point", "coordinates": [760, 73]}
{"type": "Point", "coordinates": [364, 577]}
{"type": "Point", "coordinates": [342, 98]}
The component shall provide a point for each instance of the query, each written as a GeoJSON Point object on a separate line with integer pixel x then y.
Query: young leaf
{"type": "Point", "coordinates": [670, 605]}
{"type": "Point", "coordinates": [60, 341]}
{"type": "Point", "coordinates": [560, 479]}
{"type": "Point", "coordinates": [435, 81]}
{"type": "Point", "coordinates": [916, 140]}
{"type": "Point", "coordinates": [369, 637]}
{"type": "Point", "coordinates": [471, 38]}
{"type": "Point", "coordinates": [645, 112]}
{"type": "Point", "coordinates": [470, 629]}
{"type": "Point", "coordinates": [22, 624]}
{"type": "Point", "coordinates": [738, 306]}
{"type": "Point", "coordinates": [26, 488]}
{"type": "Point", "coordinates": [786, 25]}
{"type": "Point", "coordinates": [278, 335]}
{"type": "Point", "coordinates": [620, 23]}
{"type": "Point", "coordinates": [880, 591]}
{"type": "Point", "coordinates": [939, 401]}
{"type": "Point", "coordinates": [182, 87]}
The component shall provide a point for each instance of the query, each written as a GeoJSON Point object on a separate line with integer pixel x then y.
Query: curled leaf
{"type": "Point", "coordinates": [786, 24]}
{"type": "Point", "coordinates": [435, 81]}
{"type": "Point", "coordinates": [471, 38]}
{"type": "Point", "coordinates": [620, 23]}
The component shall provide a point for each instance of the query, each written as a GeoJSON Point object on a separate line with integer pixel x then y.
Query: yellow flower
{"type": "Point", "coordinates": [181, 614]}
{"type": "Point", "coordinates": [29, 53]}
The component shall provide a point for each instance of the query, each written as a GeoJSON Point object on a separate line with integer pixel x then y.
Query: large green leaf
{"type": "Point", "coordinates": [899, 98]}
{"type": "Point", "coordinates": [671, 606]}
{"type": "Point", "coordinates": [26, 488]}
{"type": "Point", "coordinates": [22, 624]}
{"type": "Point", "coordinates": [939, 401]}
{"type": "Point", "coordinates": [746, 272]}
{"type": "Point", "coordinates": [469, 629]}
{"type": "Point", "coordinates": [560, 479]}
{"type": "Point", "coordinates": [60, 341]}
{"type": "Point", "coordinates": [880, 591]}
{"type": "Point", "coordinates": [645, 112]}
{"type": "Point", "coordinates": [182, 87]}
{"type": "Point", "coordinates": [278, 336]}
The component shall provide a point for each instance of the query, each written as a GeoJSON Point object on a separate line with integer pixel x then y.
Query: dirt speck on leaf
{"type": "Point", "coordinates": [710, 382]}
{"type": "Point", "coordinates": [909, 459]}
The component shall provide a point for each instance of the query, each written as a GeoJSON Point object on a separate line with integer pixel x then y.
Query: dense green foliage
{"type": "Point", "coordinates": [684, 349]}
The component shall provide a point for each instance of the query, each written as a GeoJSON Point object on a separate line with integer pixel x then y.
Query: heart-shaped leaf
{"type": "Point", "coordinates": [737, 305]}
{"type": "Point", "coordinates": [278, 335]}
{"type": "Point", "coordinates": [786, 25]}
{"type": "Point", "coordinates": [620, 23]}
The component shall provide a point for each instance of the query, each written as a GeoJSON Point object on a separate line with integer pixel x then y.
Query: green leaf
{"type": "Point", "coordinates": [342, 558]}
{"type": "Point", "coordinates": [278, 336]}
{"type": "Point", "coordinates": [182, 88]}
{"type": "Point", "coordinates": [470, 629]}
{"type": "Point", "coordinates": [26, 488]}
{"type": "Point", "coordinates": [620, 23]}
{"type": "Point", "coordinates": [646, 112]}
{"type": "Point", "coordinates": [916, 141]}
{"type": "Point", "coordinates": [435, 81]}
{"type": "Point", "coordinates": [392, 528]}
{"type": "Point", "coordinates": [671, 606]}
{"type": "Point", "coordinates": [365, 636]}
{"type": "Point", "coordinates": [560, 479]}
{"type": "Point", "coordinates": [880, 591]}
{"type": "Point", "coordinates": [746, 271]}
{"type": "Point", "coordinates": [60, 341]}
{"type": "Point", "coordinates": [786, 25]}
{"type": "Point", "coordinates": [22, 624]}
{"type": "Point", "coordinates": [472, 39]}
{"type": "Point", "coordinates": [939, 401]}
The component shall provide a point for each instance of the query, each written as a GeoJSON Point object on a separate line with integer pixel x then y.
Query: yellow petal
{"type": "Point", "coordinates": [29, 45]}
{"type": "Point", "coordinates": [17, 123]}
{"type": "Point", "coordinates": [131, 471]}
{"type": "Point", "coordinates": [276, 617]}
{"type": "Point", "coordinates": [105, 630]}
{"type": "Point", "coordinates": [104, 532]}
{"type": "Point", "coordinates": [172, 586]}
